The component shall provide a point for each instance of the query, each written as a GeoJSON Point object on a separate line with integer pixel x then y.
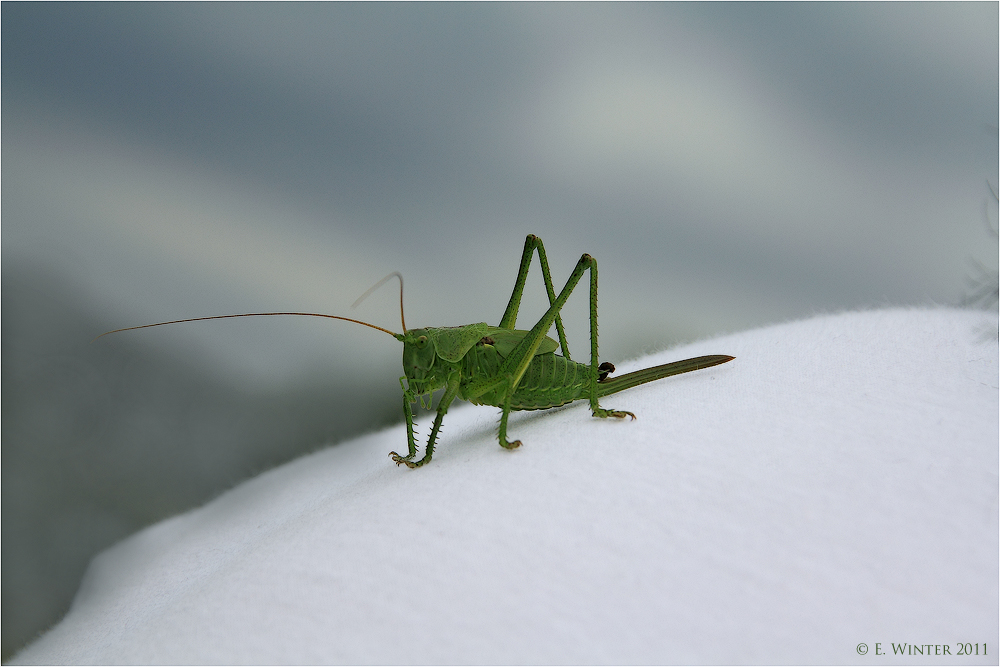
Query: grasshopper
{"type": "Point", "coordinates": [509, 368]}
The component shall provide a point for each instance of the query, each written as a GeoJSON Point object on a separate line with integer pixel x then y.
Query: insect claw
{"type": "Point", "coordinates": [620, 414]}
{"type": "Point", "coordinates": [399, 459]}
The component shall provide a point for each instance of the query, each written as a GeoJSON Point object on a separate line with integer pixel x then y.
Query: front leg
{"type": "Point", "coordinates": [428, 452]}
{"type": "Point", "coordinates": [408, 400]}
{"type": "Point", "coordinates": [451, 390]}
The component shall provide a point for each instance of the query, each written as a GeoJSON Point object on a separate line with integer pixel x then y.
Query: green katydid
{"type": "Point", "coordinates": [509, 368]}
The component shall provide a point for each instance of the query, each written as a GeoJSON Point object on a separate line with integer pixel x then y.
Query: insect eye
{"type": "Point", "coordinates": [421, 342]}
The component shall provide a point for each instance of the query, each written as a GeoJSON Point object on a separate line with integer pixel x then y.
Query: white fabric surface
{"type": "Point", "coordinates": [837, 483]}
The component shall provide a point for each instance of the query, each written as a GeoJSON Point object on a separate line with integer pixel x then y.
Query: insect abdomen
{"type": "Point", "coordinates": [549, 381]}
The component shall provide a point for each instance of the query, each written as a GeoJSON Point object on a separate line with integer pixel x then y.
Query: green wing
{"type": "Point", "coordinates": [452, 343]}
{"type": "Point", "coordinates": [505, 340]}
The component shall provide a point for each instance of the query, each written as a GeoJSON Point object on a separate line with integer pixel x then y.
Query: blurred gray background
{"type": "Point", "coordinates": [729, 166]}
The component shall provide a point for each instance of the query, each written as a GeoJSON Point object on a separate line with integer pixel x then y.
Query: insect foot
{"type": "Point", "coordinates": [401, 460]}
{"type": "Point", "coordinates": [620, 414]}
{"type": "Point", "coordinates": [510, 445]}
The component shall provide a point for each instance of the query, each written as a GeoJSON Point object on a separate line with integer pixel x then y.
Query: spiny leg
{"type": "Point", "coordinates": [517, 362]}
{"type": "Point", "coordinates": [428, 451]}
{"type": "Point", "coordinates": [509, 318]}
{"type": "Point", "coordinates": [451, 390]}
{"type": "Point", "coordinates": [595, 371]}
{"type": "Point", "coordinates": [505, 412]}
{"type": "Point", "coordinates": [408, 399]}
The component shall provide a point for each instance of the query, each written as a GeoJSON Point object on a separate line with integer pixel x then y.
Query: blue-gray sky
{"type": "Point", "coordinates": [729, 165]}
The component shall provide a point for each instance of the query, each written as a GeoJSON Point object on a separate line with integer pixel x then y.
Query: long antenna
{"type": "Point", "coordinates": [379, 284]}
{"type": "Point", "coordinates": [223, 317]}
